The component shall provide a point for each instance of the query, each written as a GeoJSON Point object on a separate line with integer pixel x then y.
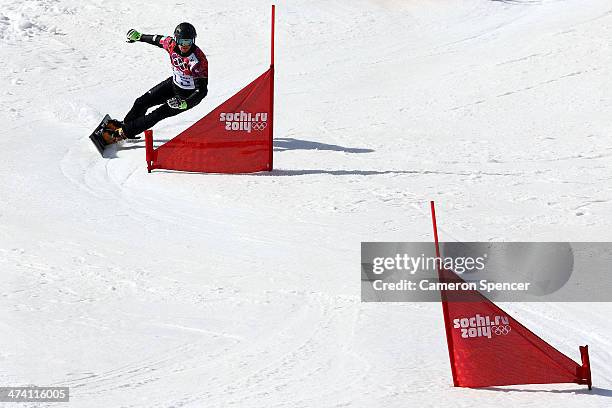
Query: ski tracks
{"type": "Point", "coordinates": [307, 346]}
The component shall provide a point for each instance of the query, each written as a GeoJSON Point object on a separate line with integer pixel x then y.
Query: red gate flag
{"type": "Point", "coordinates": [236, 137]}
{"type": "Point", "coordinates": [233, 138]}
{"type": "Point", "coordinates": [487, 347]}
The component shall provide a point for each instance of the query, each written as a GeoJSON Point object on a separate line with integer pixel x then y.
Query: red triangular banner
{"type": "Point", "coordinates": [490, 347]}
{"type": "Point", "coordinates": [236, 137]}
{"type": "Point", "coordinates": [487, 347]}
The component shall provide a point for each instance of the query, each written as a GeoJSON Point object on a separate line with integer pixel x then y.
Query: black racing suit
{"type": "Point", "coordinates": [188, 82]}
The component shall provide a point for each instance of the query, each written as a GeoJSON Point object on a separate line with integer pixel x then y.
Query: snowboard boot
{"type": "Point", "coordinates": [113, 132]}
{"type": "Point", "coordinates": [123, 136]}
{"type": "Point", "coordinates": [109, 136]}
{"type": "Point", "coordinates": [113, 124]}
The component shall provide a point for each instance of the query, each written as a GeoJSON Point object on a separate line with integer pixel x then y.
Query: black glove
{"type": "Point", "coordinates": [133, 36]}
{"type": "Point", "coordinates": [177, 103]}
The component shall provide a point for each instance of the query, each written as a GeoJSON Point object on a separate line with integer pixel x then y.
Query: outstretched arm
{"type": "Point", "coordinates": [133, 36]}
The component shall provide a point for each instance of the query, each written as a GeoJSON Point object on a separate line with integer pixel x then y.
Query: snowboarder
{"type": "Point", "coordinates": [187, 86]}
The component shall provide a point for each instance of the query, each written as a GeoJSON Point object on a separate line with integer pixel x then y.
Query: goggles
{"type": "Point", "coordinates": [185, 41]}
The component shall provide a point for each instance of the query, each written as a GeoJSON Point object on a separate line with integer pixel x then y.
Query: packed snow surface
{"type": "Point", "coordinates": [200, 290]}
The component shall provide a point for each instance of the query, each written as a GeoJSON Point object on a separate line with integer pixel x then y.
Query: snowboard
{"type": "Point", "coordinates": [96, 136]}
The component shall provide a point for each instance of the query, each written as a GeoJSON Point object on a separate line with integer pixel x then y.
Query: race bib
{"type": "Point", "coordinates": [182, 80]}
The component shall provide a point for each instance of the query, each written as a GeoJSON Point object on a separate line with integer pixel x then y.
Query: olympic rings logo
{"type": "Point", "coordinates": [501, 330]}
{"type": "Point", "coordinates": [259, 125]}
{"type": "Point", "coordinates": [179, 62]}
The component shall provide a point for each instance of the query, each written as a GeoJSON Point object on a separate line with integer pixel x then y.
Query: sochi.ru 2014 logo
{"type": "Point", "coordinates": [244, 121]}
{"type": "Point", "coordinates": [482, 326]}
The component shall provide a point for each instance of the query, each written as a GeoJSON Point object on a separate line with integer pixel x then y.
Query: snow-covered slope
{"type": "Point", "coordinates": [168, 290]}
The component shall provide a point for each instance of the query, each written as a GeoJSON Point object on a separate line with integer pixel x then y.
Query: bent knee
{"type": "Point", "coordinates": [143, 99]}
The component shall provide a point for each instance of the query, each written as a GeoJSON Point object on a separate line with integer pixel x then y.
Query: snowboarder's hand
{"type": "Point", "coordinates": [133, 36]}
{"type": "Point", "coordinates": [177, 103]}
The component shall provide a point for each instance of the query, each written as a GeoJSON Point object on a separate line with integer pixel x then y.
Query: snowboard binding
{"type": "Point", "coordinates": [113, 132]}
{"type": "Point", "coordinates": [108, 132]}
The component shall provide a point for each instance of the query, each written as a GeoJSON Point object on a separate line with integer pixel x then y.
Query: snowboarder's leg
{"type": "Point", "coordinates": [157, 95]}
{"type": "Point", "coordinates": [139, 125]}
{"type": "Point", "coordinates": [137, 121]}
